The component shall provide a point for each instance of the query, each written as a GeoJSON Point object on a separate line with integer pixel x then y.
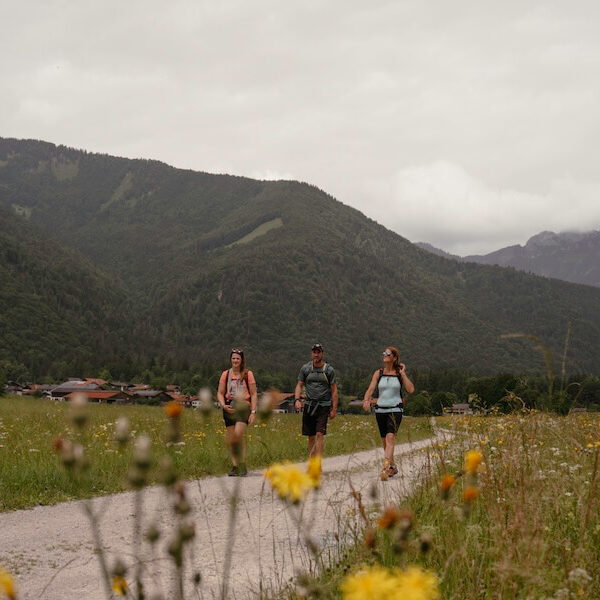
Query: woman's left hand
{"type": "Point", "coordinates": [252, 418]}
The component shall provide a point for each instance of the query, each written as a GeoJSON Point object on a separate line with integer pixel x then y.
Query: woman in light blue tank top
{"type": "Point", "coordinates": [385, 392]}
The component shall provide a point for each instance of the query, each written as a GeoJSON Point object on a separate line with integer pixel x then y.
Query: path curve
{"type": "Point", "coordinates": [50, 549]}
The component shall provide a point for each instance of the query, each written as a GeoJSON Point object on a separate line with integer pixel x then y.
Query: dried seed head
{"type": "Point", "coordinates": [142, 452]}
{"type": "Point", "coordinates": [136, 477]}
{"type": "Point", "coordinates": [182, 506]}
{"type": "Point", "coordinates": [122, 430]}
{"type": "Point", "coordinates": [197, 578]}
{"type": "Point", "coordinates": [153, 533]}
{"type": "Point", "coordinates": [79, 413]}
{"type": "Point", "coordinates": [265, 406]}
{"type": "Point", "coordinates": [187, 531]}
{"type": "Point", "coordinates": [370, 537]}
{"type": "Point", "coordinates": [167, 474]}
{"type": "Point", "coordinates": [391, 515]}
{"type": "Point", "coordinates": [425, 543]}
{"type": "Point", "coordinates": [175, 549]}
{"type": "Point", "coordinates": [119, 569]}
{"type": "Point", "coordinates": [206, 401]}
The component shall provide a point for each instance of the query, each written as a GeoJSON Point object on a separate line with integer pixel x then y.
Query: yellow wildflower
{"type": "Point", "coordinates": [289, 481]}
{"type": "Point", "coordinates": [119, 585]}
{"type": "Point", "coordinates": [375, 583]}
{"type": "Point", "coordinates": [417, 584]}
{"type": "Point", "coordinates": [315, 469]}
{"type": "Point", "coordinates": [7, 585]}
{"type": "Point", "coordinates": [473, 459]}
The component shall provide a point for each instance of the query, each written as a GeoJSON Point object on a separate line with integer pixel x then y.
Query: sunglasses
{"type": "Point", "coordinates": [386, 353]}
{"type": "Point", "coordinates": [237, 351]}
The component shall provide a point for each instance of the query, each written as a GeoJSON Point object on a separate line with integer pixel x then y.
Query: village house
{"type": "Point", "coordinates": [104, 396]}
{"type": "Point", "coordinates": [72, 385]}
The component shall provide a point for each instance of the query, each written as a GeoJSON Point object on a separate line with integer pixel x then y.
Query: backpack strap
{"type": "Point", "coordinates": [312, 370]}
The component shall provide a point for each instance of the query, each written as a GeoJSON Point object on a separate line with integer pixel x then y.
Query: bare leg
{"type": "Point", "coordinates": [240, 437]}
{"type": "Point", "coordinates": [230, 438]}
{"type": "Point", "coordinates": [311, 445]}
{"type": "Point", "coordinates": [389, 447]}
{"type": "Point", "coordinates": [319, 445]}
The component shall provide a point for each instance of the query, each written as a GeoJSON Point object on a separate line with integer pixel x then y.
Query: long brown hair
{"type": "Point", "coordinates": [396, 354]}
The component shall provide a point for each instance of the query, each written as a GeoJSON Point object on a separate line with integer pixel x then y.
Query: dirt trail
{"type": "Point", "coordinates": [51, 552]}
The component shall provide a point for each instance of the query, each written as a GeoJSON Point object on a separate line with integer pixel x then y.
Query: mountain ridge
{"type": "Point", "coordinates": [568, 256]}
{"type": "Point", "coordinates": [169, 239]}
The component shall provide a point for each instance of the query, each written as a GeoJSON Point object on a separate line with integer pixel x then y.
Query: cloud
{"type": "Point", "coordinates": [361, 99]}
{"type": "Point", "coordinates": [443, 204]}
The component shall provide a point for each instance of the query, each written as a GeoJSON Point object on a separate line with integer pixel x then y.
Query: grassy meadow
{"type": "Point", "coordinates": [31, 473]}
{"type": "Point", "coordinates": [524, 525]}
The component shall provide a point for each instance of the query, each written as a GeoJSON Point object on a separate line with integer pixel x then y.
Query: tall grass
{"type": "Point", "coordinates": [30, 473]}
{"type": "Point", "coordinates": [532, 533]}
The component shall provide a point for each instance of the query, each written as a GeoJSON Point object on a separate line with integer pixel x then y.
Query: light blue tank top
{"type": "Point", "coordinates": [390, 396]}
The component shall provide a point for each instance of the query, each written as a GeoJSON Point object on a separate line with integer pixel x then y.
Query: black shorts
{"type": "Point", "coordinates": [314, 419]}
{"type": "Point", "coordinates": [388, 422]}
{"type": "Point", "coordinates": [232, 419]}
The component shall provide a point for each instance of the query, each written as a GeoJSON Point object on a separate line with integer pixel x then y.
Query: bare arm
{"type": "Point", "coordinates": [297, 394]}
{"type": "Point", "coordinates": [368, 399]}
{"type": "Point", "coordinates": [406, 382]}
{"type": "Point", "coordinates": [221, 397]}
{"type": "Point", "coordinates": [334, 401]}
{"type": "Point", "coordinates": [253, 402]}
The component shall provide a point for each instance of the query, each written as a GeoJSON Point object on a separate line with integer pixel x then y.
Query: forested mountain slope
{"type": "Point", "coordinates": [211, 261]}
{"type": "Point", "coordinates": [58, 313]}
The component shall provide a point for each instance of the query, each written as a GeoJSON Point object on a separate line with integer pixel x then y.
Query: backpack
{"type": "Point", "coordinates": [324, 367]}
{"type": "Point", "coordinates": [230, 377]}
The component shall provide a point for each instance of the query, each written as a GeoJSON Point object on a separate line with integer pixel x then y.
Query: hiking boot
{"type": "Point", "coordinates": [242, 470]}
{"type": "Point", "coordinates": [392, 470]}
{"type": "Point", "coordinates": [385, 472]}
{"type": "Point", "coordinates": [233, 473]}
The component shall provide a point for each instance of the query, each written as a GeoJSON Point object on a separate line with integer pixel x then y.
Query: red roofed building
{"type": "Point", "coordinates": [103, 397]}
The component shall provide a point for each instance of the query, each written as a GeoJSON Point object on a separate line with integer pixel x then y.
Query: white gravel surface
{"type": "Point", "coordinates": [50, 549]}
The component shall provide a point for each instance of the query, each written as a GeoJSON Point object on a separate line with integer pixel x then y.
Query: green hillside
{"type": "Point", "coordinates": [58, 313]}
{"type": "Point", "coordinates": [210, 261]}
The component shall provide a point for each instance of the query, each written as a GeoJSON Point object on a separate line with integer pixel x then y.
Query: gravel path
{"type": "Point", "coordinates": [50, 549]}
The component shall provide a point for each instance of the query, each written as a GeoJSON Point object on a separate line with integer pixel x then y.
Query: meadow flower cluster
{"type": "Point", "coordinates": [291, 482]}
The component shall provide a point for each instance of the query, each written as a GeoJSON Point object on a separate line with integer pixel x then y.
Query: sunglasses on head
{"type": "Point", "coordinates": [386, 353]}
{"type": "Point", "coordinates": [237, 351]}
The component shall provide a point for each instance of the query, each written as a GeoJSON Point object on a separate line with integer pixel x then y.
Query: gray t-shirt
{"type": "Point", "coordinates": [317, 382]}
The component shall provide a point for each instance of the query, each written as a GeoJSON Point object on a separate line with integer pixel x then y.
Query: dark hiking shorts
{"type": "Point", "coordinates": [388, 422]}
{"type": "Point", "coordinates": [232, 419]}
{"type": "Point", "coordinates": [314, 419]}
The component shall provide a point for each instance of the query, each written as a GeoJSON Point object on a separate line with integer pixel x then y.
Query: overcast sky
{"type": "Point", "coordinates": [470, 125]}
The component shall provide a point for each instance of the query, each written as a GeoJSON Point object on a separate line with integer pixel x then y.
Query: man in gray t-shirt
{"type": "Point", "coordinates": [318, 379]}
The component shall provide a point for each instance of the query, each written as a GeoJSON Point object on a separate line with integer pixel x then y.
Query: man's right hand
{"type": "Point", "coordinates": [228, 409]}
{"type": "Point", "coordinates": [298, 405]}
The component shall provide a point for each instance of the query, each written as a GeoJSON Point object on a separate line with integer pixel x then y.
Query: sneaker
{"type": "Point", "coordinates": [242, 470]}
{"type": "Point", "coordinates": [385, 472]}
{"type": "Point", "coordinates": [233, 473]}
{"type": "Point", "coordinates": [392, 470]}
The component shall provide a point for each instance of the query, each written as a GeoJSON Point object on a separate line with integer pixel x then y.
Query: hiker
{"type": "Point", "coordinates": [385, 392]}
{"type": "Point", "coordinates": [238, 399]}
{"type": "Point", "coordinates": [320, 389]}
